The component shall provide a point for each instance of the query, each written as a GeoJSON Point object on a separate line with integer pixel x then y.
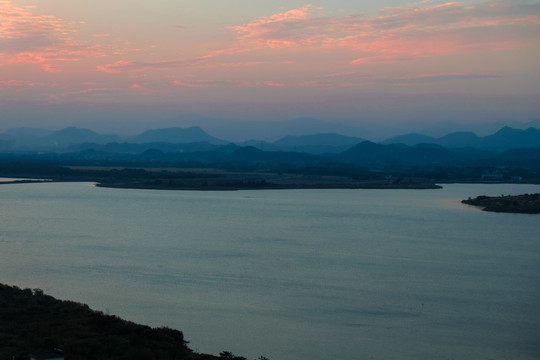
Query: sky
{"type": "Point", "coordinates": [130, 63]}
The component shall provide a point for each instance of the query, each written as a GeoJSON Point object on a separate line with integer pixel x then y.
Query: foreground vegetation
{"type": "Point", "coordinates": [32, 322]}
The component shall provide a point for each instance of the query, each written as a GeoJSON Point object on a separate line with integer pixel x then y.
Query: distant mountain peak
{"type": "Point", "coordinates": [317, 143]}
{"type": "Point", "coordinates": [505, 138]}
{"type": "Point", "coordinates": [177, 135]}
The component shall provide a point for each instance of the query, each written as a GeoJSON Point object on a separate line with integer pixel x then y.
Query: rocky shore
{"type": "Point", "coordinates": [525, 204]}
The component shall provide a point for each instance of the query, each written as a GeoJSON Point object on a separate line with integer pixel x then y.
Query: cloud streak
{"type": "Point", "coordinates": [43, 40]}
{"type": "Point", "coordinates": [396, 34]}
{"type": "Point", "coordinates": [8, 84]}
{"type": "Point", "coordinates": [434, 78]}
{"type": "Point", "coordinates": [400, 33]}
{"type": "Point", "coordinates": [139, 66]}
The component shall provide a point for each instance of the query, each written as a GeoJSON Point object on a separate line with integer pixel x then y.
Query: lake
{"type": "Point", "coordinates": [289, 274]}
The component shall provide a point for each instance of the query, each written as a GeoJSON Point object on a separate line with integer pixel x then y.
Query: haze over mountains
{"type": "Point", "coordinates": [269, 131]}
{"type": "Point", "coordinates": [504, 139]}
{"type": "Point", "coordinates": [196, 139]}
{"type": "Point", "coordinates": [506, 155]}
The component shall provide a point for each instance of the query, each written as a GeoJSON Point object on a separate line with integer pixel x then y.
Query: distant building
{"type": "Point", "coordinates": [494, 176]}
{"type": "Point", "coordinates": [516, 179]}
{"type": "Point", "coordinates": [56, 354]}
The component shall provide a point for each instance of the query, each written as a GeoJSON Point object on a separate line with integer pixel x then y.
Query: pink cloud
{"type": "Point", "coordinates": [116, 66]}
{"type": "Point", "coordinates": [50, 68]}
{"type": "Point", "coordinates": [83, 92]}
{"type": "Point", "coordinates": [281, 30]}
{"type": "Point", "coordinates": [400, 33]}
{"type": "Point", "coordinates": [424, 30]}
{"type": "Point", "coordinates": [138, 66]}
{"type": "Point", "coordinates": [237, 64]}
{"type": "Point", "coordinates": [195, 83]}
{"type": "Point", "coordinates": [16, 84]}
{"type": "Point", "coordinates": [275, 84]}
{"type": "Point", "coordinates": [431, 78]}
{"type": "Point", "coordinates": [44, 40]}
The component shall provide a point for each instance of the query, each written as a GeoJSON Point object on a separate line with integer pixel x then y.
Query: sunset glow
{"type": "Point", "coordinates": [214, 59]}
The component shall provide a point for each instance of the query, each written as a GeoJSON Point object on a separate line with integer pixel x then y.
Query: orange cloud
{"type": "Point", "coordinates": [275, 84]}
{"type": "Point", "coordinates": [280, 30]}
{"type": "Point", "coordinates": [16, 84]}
{"type": "Point", "coordinates": [402, 32]}
{"type": "Point", "coordinates": [195, 84]}
{"type": "Point", "coordinates": [431, 78]}
{"type": "Point", "coordinates": [138, 66]}
{"type": "Point", "coordinates": [396, 34]}
{"type": "Point", "coordinates": [45, 40]}
{"type": "Point", "coordinates": [82, 92]}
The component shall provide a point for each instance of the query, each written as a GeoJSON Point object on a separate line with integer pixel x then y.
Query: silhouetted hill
{"type": "Point", "coordinates": [504, 139]}
{"type": "Point", "coordinates": [250, 154]}
{"type": "Point", "coordinates": [508, 138]}
{"type": "Point", "coordinates": [73, 135]}
{"type": "Point", "coordinates": [522, 154]}
{"type": "Point", "coordinates": [534, 124]}
{"type": "Point", "coordinates": [317, 143]}
{"type": "Point", "coordinates": [22, 137]}
{"type": "Point", "coordinates": [259, 144]}
{"type": "Point", "coordinates": [41, 139]}
{"type": "Point", "coordinates": [25, 133]}
{"type": "Point", "coordinates": [135, 148]}
{"type": "Point", "coordinates": [369, 153]}
{"type": "Point", "coordinates": [459, 140]}
{"type": "Point", "coordinates": [177, 135]}
{"type": "Point", "coordinates": [410, 139]}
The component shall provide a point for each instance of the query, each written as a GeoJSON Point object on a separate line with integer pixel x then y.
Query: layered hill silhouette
{"type": "Point", "coordinates": [317, 143]}
{"type": "Point", "coordinates": [176, 135]}
{"type": "Point", "coordinates": [41, 139]}
{"type": "Point", "coordinates": [504, 139]}
{"type": "Point", "coordinates": [176, 140]}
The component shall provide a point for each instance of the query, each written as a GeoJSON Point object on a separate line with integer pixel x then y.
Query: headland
{"type": "Point", "coordinates": [526, 203]}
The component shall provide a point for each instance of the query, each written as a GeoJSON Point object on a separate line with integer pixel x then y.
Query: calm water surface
{"type": "Point", "coordinates": [307, 274]}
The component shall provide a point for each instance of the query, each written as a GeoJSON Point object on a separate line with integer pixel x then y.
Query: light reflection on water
{"type": "Point", "coordinates": [310, 274]}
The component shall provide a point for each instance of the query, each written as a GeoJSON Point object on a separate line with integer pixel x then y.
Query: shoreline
{"type": "Point", "coordinates": [251, 183]}
{"type": "Point", "coordinates": [25, 181]}
{"type": "Point", "coordinates": [266, 186]}
{"type": "Point", "coordinates": [234, 183]}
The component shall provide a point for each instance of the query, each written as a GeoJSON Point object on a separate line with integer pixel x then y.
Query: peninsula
{"type": "Point", "coordinates": [526, 203]}
{"type": "Point", "coordinates": [181, 178]}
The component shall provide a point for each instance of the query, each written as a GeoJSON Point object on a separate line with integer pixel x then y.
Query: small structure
{"type": "Point", "coordinates": [516, 179]}
{"type": "Point", "coordinates": [56, 354]}
{"type": "Point", "coordinates": [494, 176]}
